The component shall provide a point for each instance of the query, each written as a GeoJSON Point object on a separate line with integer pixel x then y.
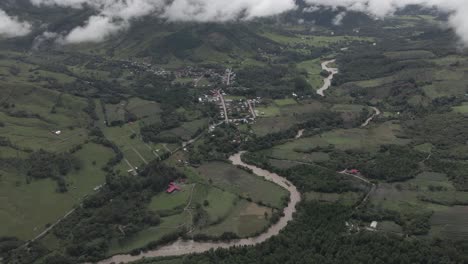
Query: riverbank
{"type": "Point", "coordinates": [181, 247]}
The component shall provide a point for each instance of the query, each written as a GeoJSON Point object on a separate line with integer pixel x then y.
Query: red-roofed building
{"type": "Point", "coordinates": [354, 171]}
{"type": "Point", "coordinates": [172, 188]}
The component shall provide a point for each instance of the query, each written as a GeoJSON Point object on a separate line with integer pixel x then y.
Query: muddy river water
{"type": "Point", "coordinates": [181, 247]}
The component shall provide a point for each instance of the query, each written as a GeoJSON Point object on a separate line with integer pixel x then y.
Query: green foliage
{"type": "Point", "coordinates": [393, 163]}
{"type": "Point", "coordinates": [117, 212]}
{"type": "Point", "coordinates": [318, 235]}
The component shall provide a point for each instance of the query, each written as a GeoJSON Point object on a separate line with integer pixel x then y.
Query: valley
{"type": "Point", "coordinates": [242, 142]}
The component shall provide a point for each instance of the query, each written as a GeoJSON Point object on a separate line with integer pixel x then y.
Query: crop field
{"type": "Point", "coordinates": [165, 201]}
{"type": "Point", "coordinates": [357, 138]}
{"type": "Point", "coordinates": [462, 109]}
{"type": "Point", "coordinates": [450, 223]}
{"type": "Point", "coordinates": [264, 126]}
{"type": "Point", "coordinates": [315, 41]}
{"type": "Point", "coordinates": [420, 75]}
{"type": "Point", "coordinates": [285, 102]}
{"type": "Point", "coordinates": [347, 198]}
{"type": "Point", "coordinates": [268, 111]}
{"type": "Point", "coordinates": [168, 225]}
{"type": "Point", "coordinates": [389, 227]}
{"type": "Point", "coordinates": [286, 154]}
{"type": "Point", "coordinates": [245, 219]}
{"type": "Point", "coordinates": [115, 112]}
{"type": "Point", "coordinates": [348, 108]}
{"type": "Point", "coordinates": [410, 55]}
{"type": "Point", "coordinates": [427, 193]}
{"type": "Point", "coordinates": [242, 183]}
{"type": "Point", "coordinates": [273, 118]}
{"type": "Point", "coordinates": [25, 209]}
{"type": "Point", "coordinates": [143, 108]}
{"type": "Point", "coordinates": [34, 114]}
{"type": "Point", "coordinates": [188, 129]}
{"type": "Point", "coordinates": [313, 69]}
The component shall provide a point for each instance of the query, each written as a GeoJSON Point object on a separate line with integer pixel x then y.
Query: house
{"type": "Point", "coordinates": [172, 188]}
{"type": "Point", "coordinates": [373, 225]}
{"type": "Point", "coordinates": [354, 171]}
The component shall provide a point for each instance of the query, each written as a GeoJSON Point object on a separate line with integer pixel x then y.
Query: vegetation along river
{"type": "Point", "coordinates": [181, 247]}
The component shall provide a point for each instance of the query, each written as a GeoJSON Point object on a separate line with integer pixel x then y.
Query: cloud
{"type": "Point", "coordinates": [457, 9]}
{"type": "Point", "coordinates": [225, 10]}
{"type": "Point", "coordinates": [116, 15]}
{"type": "Point", "coordinates": [338, 20]}
{"type": "Point", "coordinates": [12, 26]}
{"type": "Point", "coordinates": [96, 29]}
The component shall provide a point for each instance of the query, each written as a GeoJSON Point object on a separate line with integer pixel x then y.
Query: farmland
{"type": "Point", "coordinates": [105, 128]}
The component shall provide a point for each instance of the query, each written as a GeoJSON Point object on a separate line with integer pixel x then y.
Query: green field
{"type": "Point", "coordinates": [313, 69]}
{"type": "Point", "coordinates": [347, 198]}
{"type": "Point", "coordinates": [315, 41]}
{"type": "Point", "coordinates": [462, 109]}
{"type": "Point", "coordinates": [242, 183]}
{"type": "Point", "coordinates": [244, 219]}
{"type": "Point", "coordinates": [35, 127]}
{"type": "Point", "coordinates": [368, 139]}
{"type": "Point", "coordinates": [25, 209]}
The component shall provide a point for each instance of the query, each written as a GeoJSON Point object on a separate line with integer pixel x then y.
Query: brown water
{"type": "Point", "coordinates": [327, 81]}
{"type": "Point", "coordinates": [181, 247]}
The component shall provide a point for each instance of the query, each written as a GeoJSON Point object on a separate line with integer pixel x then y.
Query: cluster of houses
{"type": "Point", "coordinates": [142, 67]}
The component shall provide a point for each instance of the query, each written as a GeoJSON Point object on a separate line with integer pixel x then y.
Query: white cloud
{"type": "Point", "coordinates": [458, 9]}
{"type": "Point", "coordinates": [338, 20]}
{"type": "Point", "coordinates": [12, 26]}
{"type": "Point", "coordinates": [114, 15]}
{"type": "Point", "coordinates": [99, 27]}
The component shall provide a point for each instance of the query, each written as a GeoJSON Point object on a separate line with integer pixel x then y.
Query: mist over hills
{"type": "Point", "coordinates": [78, 21]}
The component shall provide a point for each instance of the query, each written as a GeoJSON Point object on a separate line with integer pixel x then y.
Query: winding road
{"type": "Point", "coordinates": [327, 81]}
{"type": "Point", "coordinates": [181, 247]}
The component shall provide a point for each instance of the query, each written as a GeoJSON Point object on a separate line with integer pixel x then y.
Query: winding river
{"type": "Point", "coordinates": [181, 247]}
{"type": "Point", "coordinates": [327, 81]}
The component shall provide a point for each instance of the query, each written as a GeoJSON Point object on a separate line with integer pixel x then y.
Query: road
{"type": "Point", "coordinates": [327, 81]}
{"type": "Point", "coordinates": [181, 247]}
{"type": "Point", "coordinates": [51, 227]}
{"type": "Point", "coordinates": [252, 111]}
{"type": "Point", "coordinates": [228, 78]}
{"type": "Point", "coordinates": [223, 102]}
{"type": "Point", "coordinates": [373, 186]}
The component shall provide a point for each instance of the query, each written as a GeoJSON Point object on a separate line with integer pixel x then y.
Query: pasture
{"type": "Point", "coordinates": [244, 219]}
{"type": "Point", "coordinates": [313, 69]}
{"type": "Point", "coordinates": [26, 208]}
{"type": "Point", "coordinates": [356, 138]}
{"type": "Point", "coordinates": [428, 192]}
{"type": "Point", "coordinates": [232, 179]}
{"type": "Point", "coordinates": [34, 114]}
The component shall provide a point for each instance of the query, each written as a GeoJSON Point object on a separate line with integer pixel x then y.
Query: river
{"type": "Point", "coordinates": [181, 247]}
{"type": "Point", "coordinates": [327, 81]}
{"type": "Point", "coordinates": [368, 120]}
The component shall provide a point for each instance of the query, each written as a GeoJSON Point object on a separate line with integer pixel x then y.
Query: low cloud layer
{"type": "Point", "coordinates": [116, 15]}
{"type": "Point", "coordinates": [12, 26]}
{"type": "Point", "coordinates": [458, 9]}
